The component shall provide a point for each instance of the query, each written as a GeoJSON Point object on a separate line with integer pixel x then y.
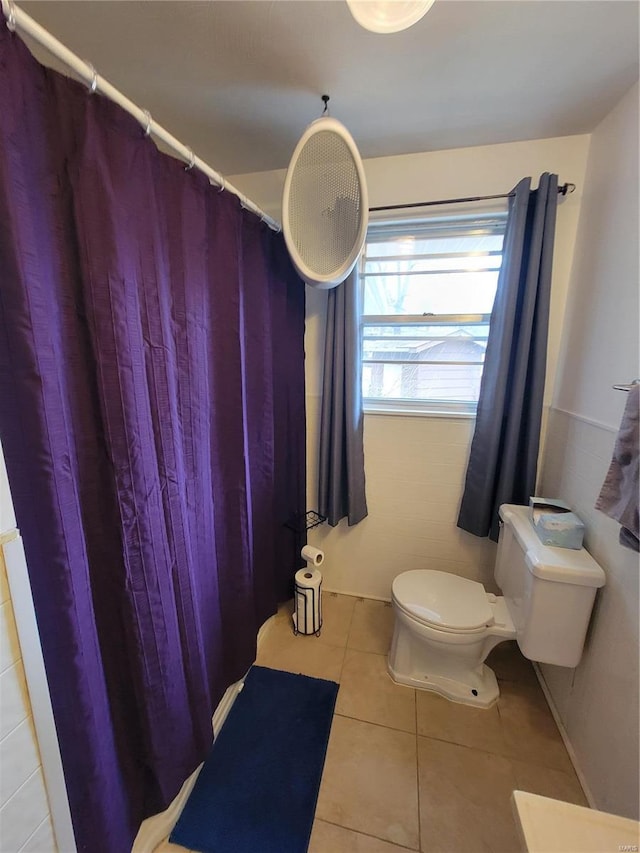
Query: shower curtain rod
{"type": "Point", "coordinates": [565, 189]}
{"type": "Point", "coordinates": [18, 19]}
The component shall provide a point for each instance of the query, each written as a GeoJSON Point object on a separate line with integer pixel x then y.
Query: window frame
{"type": "Point", "coordinates": [487, 220]}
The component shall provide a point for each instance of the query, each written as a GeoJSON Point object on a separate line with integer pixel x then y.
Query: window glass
{"type": "Point", "coordinates": [428, 291]}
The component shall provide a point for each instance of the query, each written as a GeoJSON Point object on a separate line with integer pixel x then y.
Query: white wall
{"type": "Point", "coordinates": [598, 701]}
{"type": "Point", "coordinates": [25, 823]}
{"type": "Point", "coordinates": [415, 465]}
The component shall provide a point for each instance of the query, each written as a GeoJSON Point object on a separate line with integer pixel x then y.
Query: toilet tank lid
{"type": "Point", "coordinates": [551, 563]}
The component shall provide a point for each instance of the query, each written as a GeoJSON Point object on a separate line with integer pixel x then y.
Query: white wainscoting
{"type": "Point", "coordinates": [32, 789]}
{"type": "Point", "coordinates": [598, 701]}
{"type": "Point", "coordinates": [415, 469]}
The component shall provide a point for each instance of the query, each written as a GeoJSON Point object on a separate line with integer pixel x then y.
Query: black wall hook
{"type": "Point", "coordinates": [326, 100]}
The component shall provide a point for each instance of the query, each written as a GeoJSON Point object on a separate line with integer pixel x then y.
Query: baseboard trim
{"type": "Point", "coordinates": [564, 736]}
{"type": "Point", "coordinates": [367, 597]}
{"type": "Point", "coordinates": [155, 829]}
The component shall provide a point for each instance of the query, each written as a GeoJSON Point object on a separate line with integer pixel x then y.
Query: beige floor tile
{"type": "Point", "coordinates": [529, 730]}
{"type": "Point", "coordinates": [456, 723]}
{"type": "Point", "coordinates": [465, 799]}
{"type": "Point", "coordinates": [371, 627]}
{"type": "Point", "coordinates": [167, 847]}
{"type": "Point", "coordinates": [328, 838]}
{"type": "Point", "coordinates": [509, 664]}
{"type": "Point", "coordinates": [369, 781]}
{"type": "Point", "coordinates": [281, 627]}
{"type": "Point", "coordinates": [281, 649]}
{"type": "Point", "coordinates": [368, 693]}
{"type": "Point", "coordinates": [557, 784]}
{"type": "Point", "coordinates": [337, 611]}
{"type": "Point", "coordinates": [285, 610]}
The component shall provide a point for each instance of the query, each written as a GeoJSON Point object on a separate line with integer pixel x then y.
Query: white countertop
{"type": "Point", "coordinates": [551, 826]}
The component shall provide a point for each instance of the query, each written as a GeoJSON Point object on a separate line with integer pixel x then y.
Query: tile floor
{"type": "Point", "coordinates": [406, 769]}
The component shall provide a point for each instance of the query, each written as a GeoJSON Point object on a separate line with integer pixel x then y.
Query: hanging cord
{"type": "Point", "coordinates": [18, 19]}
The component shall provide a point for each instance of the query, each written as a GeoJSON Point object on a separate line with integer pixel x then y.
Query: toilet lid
{"type": "Point", "coordinates": [443, 599]}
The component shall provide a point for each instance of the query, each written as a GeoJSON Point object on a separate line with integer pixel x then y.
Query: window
{"type": "Point", "coordinates": [428, 288]}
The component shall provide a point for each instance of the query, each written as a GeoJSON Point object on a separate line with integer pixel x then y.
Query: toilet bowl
{"type": "Point", "coordinates": [446, 625]}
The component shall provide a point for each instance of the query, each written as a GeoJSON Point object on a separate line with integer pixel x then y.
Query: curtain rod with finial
{"type": "Point", "coordinates": [565, 189]}
{"type": "Point", "coordinates": [17, 19]}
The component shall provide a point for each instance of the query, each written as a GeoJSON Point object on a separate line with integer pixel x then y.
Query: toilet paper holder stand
{"type": "Point", "coordinates": [318, 628]}
{"type": "Point", "coordinates": [307, 613]}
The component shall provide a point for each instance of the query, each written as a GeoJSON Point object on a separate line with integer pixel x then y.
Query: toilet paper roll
{"type": "Point", "coordinates": [308, 578]}
{"type": "Point", "coordinates": [308, 601]}
{"type": "Point", "coordinates": [312, 555]}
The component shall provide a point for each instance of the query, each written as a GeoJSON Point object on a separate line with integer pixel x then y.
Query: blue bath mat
{"type": "Point", "coordinates": [257, 790]}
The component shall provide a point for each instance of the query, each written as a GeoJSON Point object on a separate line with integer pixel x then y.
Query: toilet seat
{"type": "Point", "coordinates": [443, 601]}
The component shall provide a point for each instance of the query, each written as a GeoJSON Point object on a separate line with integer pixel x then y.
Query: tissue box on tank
{"type": "Point", "coordinates": [555, 524]}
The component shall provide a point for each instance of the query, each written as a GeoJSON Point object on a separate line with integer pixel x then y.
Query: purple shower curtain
{"type": "Point", "coordinates": [152, 419]}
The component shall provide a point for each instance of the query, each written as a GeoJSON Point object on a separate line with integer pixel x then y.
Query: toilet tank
{"type": "Point", "coordinates": [549, 591]}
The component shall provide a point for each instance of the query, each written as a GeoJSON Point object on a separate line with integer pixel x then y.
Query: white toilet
{"type": "Point", "coordinates": [446, 625]}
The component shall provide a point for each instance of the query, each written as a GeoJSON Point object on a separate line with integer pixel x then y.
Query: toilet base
{"type": "Point", "coordinates": [483, 692]}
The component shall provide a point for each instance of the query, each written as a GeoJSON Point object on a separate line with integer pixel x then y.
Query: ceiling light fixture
{"type": "Point", "coordinates": [388, 16]}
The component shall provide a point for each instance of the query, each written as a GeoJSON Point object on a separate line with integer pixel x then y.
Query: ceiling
{"type": "Point", "coordinates": [239, 80]}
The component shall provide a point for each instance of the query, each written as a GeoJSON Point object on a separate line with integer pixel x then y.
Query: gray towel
{"type": "Point", "coordinates": [619, 494]}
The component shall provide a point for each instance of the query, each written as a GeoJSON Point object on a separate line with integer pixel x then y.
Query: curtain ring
{"type": "Point", "coordinates": [147, 130]}
{"type": "Point", "coordinates": [94, 79]}
{"type": "Point", "coordinates": [11, 18]}
{"type": "Point", "coordinates": [223, 184]}
{"type": "Point", "coordinates": [192, 161]}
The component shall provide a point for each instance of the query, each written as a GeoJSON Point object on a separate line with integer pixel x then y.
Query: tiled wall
{"type": "Point", "coordinates": [598, 701]}
{"type": "Point", "coordinates": [415, 470]}
{"type": "Point", "coordinates": [25, 824]}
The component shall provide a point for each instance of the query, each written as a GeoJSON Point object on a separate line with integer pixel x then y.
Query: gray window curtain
{"type": "Point", "coordinates": [341, 488]}
{"type": "Point", "coordinates": [504, 451]}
